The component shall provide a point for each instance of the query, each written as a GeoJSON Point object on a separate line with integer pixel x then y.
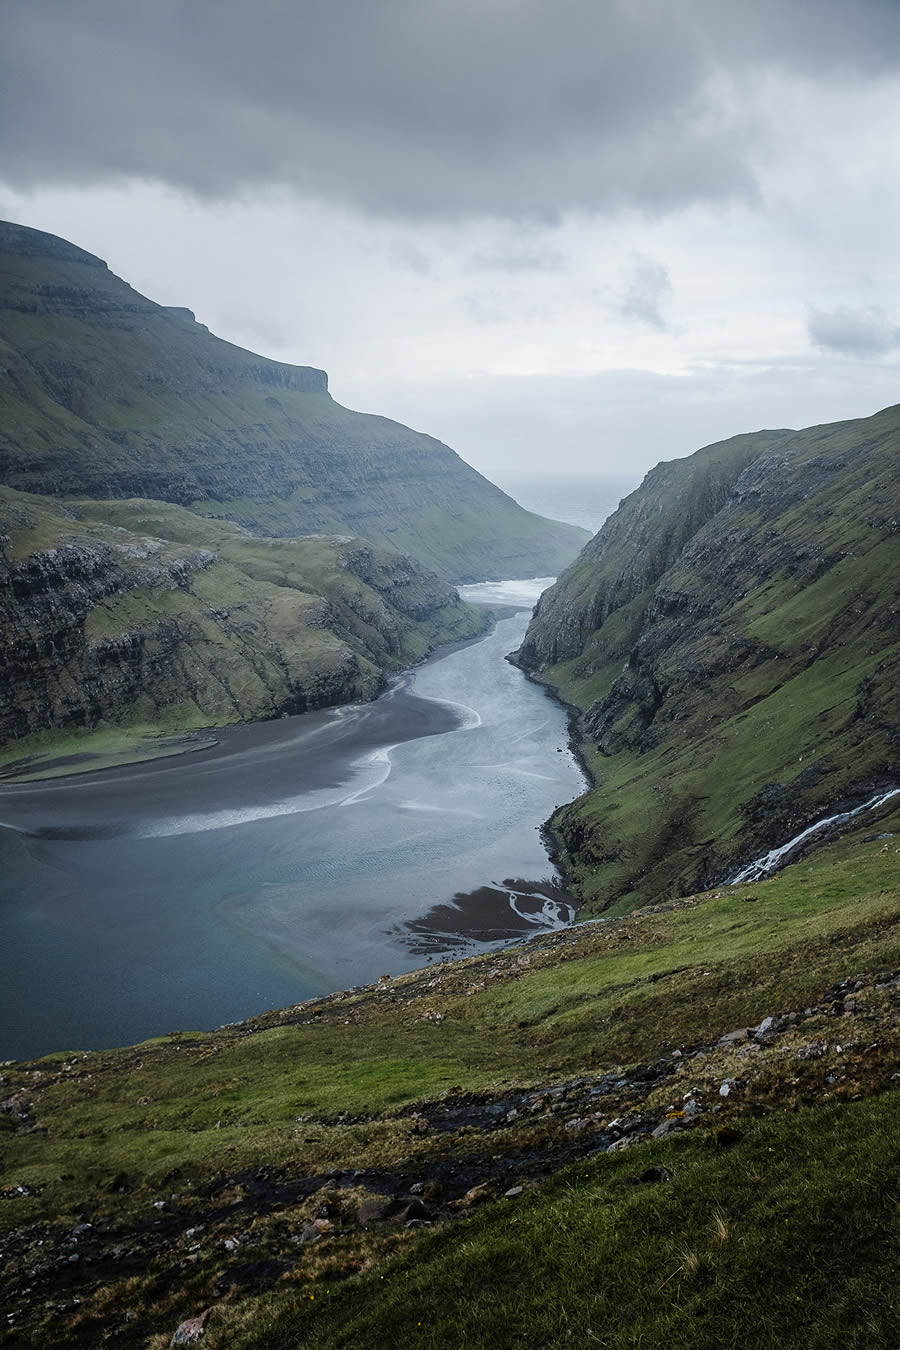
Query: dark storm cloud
{"type": "Point", "coordinates": [411, 107]}
{"type": "Point", "coordinates": [854, 332]}
{"type": "Point", "coordinates": [648, 290]}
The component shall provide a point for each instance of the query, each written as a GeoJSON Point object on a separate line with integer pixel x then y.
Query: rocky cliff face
{"type": "Point", "coordinates": [105, 394]}
{"type": "Point", "coordinates": [733, 637]}
{"type": "Point", "coordinates": [105, 624]}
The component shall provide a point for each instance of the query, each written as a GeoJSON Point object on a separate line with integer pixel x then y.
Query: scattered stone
{"type": "Point", "coordinates": [412, 1212]}
{"type": "Point", "coordinates": [666, 1127]}
{"type": "Point", "coordinates": [20, 1110]}
{"type": "Point", "coordinates": [513, 1192]}
{"type": "Point", "coordinates": [625, 1142]}
{"type": "Point", "coordinates": [373, 1209]}
{"type": "Point", "coordinates": [191, 1330]}
{"type": "Point", "coordinates": [732, 1037]}
{"type": "Point", "coordinates": [813, 1049]}
{"type": "Point", "coordinates": [726, 1087]}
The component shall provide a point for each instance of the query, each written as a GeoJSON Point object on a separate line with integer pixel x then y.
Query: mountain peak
{"type": "Point", "coordinates": [29, 243]}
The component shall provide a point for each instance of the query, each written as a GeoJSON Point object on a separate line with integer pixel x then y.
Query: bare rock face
{"type": "Point", "coordinates": [191, 1330]}
{"type": "Point", "coordinates": [103, 624]}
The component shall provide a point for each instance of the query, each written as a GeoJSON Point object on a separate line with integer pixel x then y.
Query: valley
{"type": "Point", "coordinates": [552, 957]}
{"type": "Point", "coordinates": [213, 883]}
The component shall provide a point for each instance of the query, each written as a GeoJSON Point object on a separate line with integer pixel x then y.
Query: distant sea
{"type": "Point", "coordinates": [583, 500]}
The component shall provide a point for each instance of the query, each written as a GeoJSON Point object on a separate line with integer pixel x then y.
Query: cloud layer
{"type": "Point", "coordinates": [510, 107]}
{"type": "Point", "coordinates": [580, 236]}
{"type": "Point", "coordinates": [854, 332]}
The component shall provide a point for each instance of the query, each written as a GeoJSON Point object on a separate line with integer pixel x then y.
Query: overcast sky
{"type": "Point", "coordinates": [578, 235]}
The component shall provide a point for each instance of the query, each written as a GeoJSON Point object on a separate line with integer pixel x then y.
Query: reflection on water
{"type": "Point", "coordinates": [296, 858]}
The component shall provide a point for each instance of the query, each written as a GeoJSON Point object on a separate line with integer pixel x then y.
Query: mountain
{"type": "Point", "coordinates": [675, 1126]}
{"type": "Point", "coordinates": [731, 638]}
{"type": "Point", "coordinates": [140, 618]}
{"type": "Point", "coordinates": [105, 394]}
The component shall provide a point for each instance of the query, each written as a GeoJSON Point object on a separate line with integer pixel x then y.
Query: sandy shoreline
{"type": "Point", "coordinates": [244, 766]}
{"type": "Point", "coordinates": [104, 752]}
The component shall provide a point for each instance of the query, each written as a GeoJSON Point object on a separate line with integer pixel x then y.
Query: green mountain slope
{"type": "Point", "coordinates": [732, 636]}
{"type": "Point", "coordinates": [677, 1126]}
{"type": "Point", "coordinates": [105, 394]}
{"type": "Point", "coordinates": [139, 616]}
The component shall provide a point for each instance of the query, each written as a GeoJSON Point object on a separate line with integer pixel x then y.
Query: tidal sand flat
{"type": "Point", "coordinates": [290, 859]}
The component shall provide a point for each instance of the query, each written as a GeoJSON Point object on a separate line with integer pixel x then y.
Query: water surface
{"type": "Point", "coordinates": [297, 857]}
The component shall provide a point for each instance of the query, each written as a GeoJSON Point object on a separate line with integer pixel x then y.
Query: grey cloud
{"type": "Point", "coordinates": [411, 256]}
{"type": "Point", "coordinates": [854, 332]}
{"type": "Point", "coordinates": [516, 260]}
{"type": "Point", "coordinates": [649, 288]}
{"type": "Point", "coordinates": [809, 36]}
{"type": "Point", "coordinates": [520, 108]}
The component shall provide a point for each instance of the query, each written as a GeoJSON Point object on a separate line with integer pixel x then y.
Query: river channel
{"type": "Point", "coordinates": [294, 858]}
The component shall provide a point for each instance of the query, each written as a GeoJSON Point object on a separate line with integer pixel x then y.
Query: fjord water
{"type": "Point", "coordinates": [287, 862]}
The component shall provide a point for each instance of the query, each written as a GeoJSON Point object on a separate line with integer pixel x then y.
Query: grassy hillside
{"type": "Point", "coordinates": [137, 619]}
{"type": "Point", "coordinates": [732, 636]}
{"type": "Point", "coordinates": [674, 1128]}
{"type": "Point", "coordinates": [105, 394]}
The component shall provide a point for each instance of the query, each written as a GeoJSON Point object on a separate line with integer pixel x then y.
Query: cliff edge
{"type": "Point", "coordinates": [732, 639]}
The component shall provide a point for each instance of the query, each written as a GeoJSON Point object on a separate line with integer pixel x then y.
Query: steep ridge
{"type": "Point", "coordinates": [732, 638]}
{"type": "Point", "coordinates": [105, 394]}
{"type": "Point", "coordinates": [138, 613]}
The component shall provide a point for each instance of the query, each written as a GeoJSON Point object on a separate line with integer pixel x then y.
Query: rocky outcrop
{"type": "Point", "coordinates": [103, 624]}
{"type": "Point", "coordinates": [731, 635]}
{"type": "Point", "coordinates": [104, 394]}
{"type": "Point", "coordinates": [637, 545]}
